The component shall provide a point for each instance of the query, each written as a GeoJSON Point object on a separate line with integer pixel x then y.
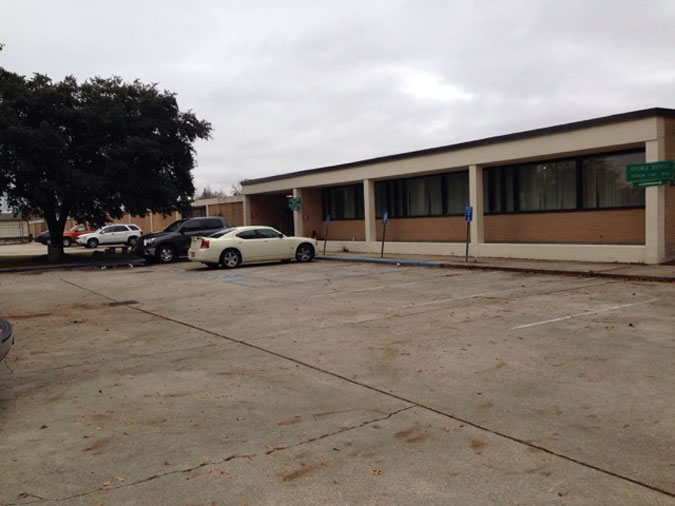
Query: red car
{"type": "Point", "coordinates": [69, 236]}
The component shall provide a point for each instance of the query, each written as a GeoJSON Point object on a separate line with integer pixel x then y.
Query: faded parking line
{"type": "Point", "coordinates": [442, 301]}
{"type": "Point", "coordinates": [569, 317]}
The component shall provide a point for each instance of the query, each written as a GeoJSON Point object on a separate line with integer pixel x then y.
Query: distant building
{"type": "Point", "coordinates": [13, 227]}
{"type": "Point", "coordinates": [553, 193]}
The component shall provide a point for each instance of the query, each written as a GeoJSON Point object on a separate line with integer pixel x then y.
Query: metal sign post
{"type": "Point", "coordinates": [385, 218]}
{"type": "Point", "coordinates": [468, 215]}
{"type": "Point", "coordinates": [326, 236]}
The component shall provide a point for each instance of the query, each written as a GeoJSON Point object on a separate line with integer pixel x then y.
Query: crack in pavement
{"type": "Point", "coordinates": [393, 395]}
{"type": "Point", "coordinates": [209, 463]}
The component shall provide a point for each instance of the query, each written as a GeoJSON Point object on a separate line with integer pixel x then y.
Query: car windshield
{"type": "Point", "coordinates": [74, 229]}
{"type": "Point", "coordinates": [221, 233]}
{"type": "Point", "coordinates": [172, 227]}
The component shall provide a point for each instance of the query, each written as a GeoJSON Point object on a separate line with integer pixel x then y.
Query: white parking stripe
{"type": "Point", "coordinates": [485, 294]}
{"type": "Point", "coordinates": [568, 317]}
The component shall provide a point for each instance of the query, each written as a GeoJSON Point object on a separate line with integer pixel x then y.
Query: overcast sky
{"type": "Point", "coordinates": [291, 85]}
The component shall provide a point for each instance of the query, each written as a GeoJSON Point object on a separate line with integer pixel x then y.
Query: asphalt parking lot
{"type": "Point", "coordinates": [336, 383]}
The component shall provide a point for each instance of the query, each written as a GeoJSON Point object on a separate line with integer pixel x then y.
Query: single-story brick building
{"type": "Point", "coordinates": [552, 193]}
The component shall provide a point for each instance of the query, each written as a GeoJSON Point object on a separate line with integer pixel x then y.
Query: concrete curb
{"type": "Point", "coordinates": [526, 270]}
{"type": "Point", "coordinates": [134, 262]}
{"type": "Point", "coordinates": [382, 261]}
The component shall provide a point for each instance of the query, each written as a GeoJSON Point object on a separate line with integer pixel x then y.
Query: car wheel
{"type": "Point", "coordinates": [304, 253]}
{"type": "Point", "coordinates": [67, 242]}
{"type": "Point", "coordinates": [92, 243]}
{"type": "Point", "coordinates": [166, 254]}
{"type": "Point", "coordinates": [230, 258]}
{"type": "Point", "coordinates": [132, 241]}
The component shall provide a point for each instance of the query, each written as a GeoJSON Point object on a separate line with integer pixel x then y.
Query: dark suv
{"type": "Point", "coordinates": [175, 239]}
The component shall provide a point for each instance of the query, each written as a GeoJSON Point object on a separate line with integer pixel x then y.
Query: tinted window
{"type": "Point", "coordinates": [118, 228]}
{"type": "Point", "coordinates": [604, 182]}
{"type": "Point", "coordinates": [212, 223]}
{"type": "Point", "coordinates": [172, 227]}
{"type": "Point", "coordinates": [247, 234]}
{"type": "Point", "coordinates": [437, 195]}
{"type": "Point", "coordinates": [133, 227]}
{"type": "Point", "coordinates": [221, 233]}
{"type": "Point", "coordinates": [343, 202]}
{"type": "Point", "coordinates": [268, 233]}
{"type": "Point", "coordinates": [190, 226]}
{"type": "Point", "coordinates": [584, 182]}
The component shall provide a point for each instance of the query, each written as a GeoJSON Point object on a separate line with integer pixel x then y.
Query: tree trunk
{"type": "Point", "coordinates": [54, 253]}
{"type": "Point", "coordinates": [56, 226]}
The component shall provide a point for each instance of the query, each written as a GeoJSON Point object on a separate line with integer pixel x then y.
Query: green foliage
{"type": "Point", "coordinates": [93, 150]}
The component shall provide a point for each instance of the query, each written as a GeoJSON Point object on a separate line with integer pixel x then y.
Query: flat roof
{"type": "Point", "coordinates": [565, 127]}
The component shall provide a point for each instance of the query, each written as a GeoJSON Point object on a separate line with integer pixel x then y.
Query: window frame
{"type": "Point", "coordinates": [396, 206]}
{"type": "Point", "coordinates": [359, 201]}
{"type": "Point", "coordinates": [500, 170]}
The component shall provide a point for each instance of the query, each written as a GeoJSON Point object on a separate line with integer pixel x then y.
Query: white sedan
{"type": "Point", "coordinates": [233, 246]}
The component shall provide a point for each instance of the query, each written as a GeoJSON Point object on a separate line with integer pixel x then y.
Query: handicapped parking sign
{"type": "Point", "coordinates": [468, 213]}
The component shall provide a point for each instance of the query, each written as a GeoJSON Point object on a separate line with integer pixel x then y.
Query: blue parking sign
{"type": "Point", "coordinates": [468, 213]}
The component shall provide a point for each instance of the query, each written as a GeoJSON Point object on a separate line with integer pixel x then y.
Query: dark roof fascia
{"type": "Point", "coordinates": [565, 127]}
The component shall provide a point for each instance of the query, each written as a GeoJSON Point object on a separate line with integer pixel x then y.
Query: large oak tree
{"type": "Point", "coordinates": [93, 150]}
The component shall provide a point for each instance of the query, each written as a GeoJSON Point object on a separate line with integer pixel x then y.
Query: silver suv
{"type": "Point", "coordinates": [111, 234]}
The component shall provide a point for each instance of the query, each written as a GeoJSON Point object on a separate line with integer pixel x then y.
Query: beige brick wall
{"type": "Point", "coordinates": [620, 226]}
{"type": "Point", "coordinates": [312, 221]}
{"type": "Point", "coordinates": [443, 228]}
{"type": "Point", "coordinates": [157, 223]}
{"type": "Point", "coordinates": [343, 230]}
{"type": "Point", "coordinates": [233, 212]}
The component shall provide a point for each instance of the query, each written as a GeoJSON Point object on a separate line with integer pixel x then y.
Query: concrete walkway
{"type": "Point", "coordinates": [662, 273]}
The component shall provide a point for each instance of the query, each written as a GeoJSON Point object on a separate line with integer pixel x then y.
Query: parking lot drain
{"type": "Point", "coordinates": [122, 303]}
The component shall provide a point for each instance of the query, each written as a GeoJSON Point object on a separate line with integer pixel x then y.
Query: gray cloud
{"type": "Point", "coordinates": [299, 84]}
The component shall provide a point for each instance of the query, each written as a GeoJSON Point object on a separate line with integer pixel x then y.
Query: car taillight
{"type": "Point", "coordinates": [204, 244]}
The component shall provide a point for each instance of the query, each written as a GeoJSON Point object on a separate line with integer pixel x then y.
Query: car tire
{"type": "Point", "coordinates": [230, 258]}
{"type": "Point", "coordinates": [304, 253]}
{"type": "Point", "coordinates": [92, 243]}
{"type": "Point", "coordinates": [67, 242]}
{"type": "Point", "coordinates": [132, 241]}
{"type": "Point", "coordinates": [166, 253]}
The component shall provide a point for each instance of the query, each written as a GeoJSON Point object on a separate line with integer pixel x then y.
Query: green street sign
{"type": "Point", "coordinates": [650, 172]}
{"type": "Point", "coordinates": [294, 204]}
